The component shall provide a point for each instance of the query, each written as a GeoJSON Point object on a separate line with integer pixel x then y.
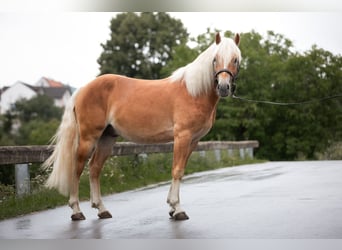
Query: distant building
{"type": "Point", "coordinates": [60, 95]}
{"type": "Point", "coordinates": [47, 82]}
{"type": "Point", "coordinates": [19, 90]}
{"type": "Point", "coordinates": [59, 92]}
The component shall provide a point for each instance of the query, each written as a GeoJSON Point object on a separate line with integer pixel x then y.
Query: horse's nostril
{"type": "Point", "coordinates": [224, 86]}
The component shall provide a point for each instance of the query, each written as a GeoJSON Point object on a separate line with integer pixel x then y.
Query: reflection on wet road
{"type": "Point", "coordinates": [270, 200]}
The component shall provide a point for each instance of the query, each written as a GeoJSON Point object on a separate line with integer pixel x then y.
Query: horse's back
{"type": "Point", "coordinates": [139, 110]}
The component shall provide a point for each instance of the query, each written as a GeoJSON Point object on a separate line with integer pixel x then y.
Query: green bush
{"type": "Point", "coordinates": [333, 152]}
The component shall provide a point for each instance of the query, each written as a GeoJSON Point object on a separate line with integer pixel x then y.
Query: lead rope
{"type": "Point", "coordinates": [288, 103]}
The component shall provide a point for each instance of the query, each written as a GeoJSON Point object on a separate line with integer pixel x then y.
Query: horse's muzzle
{"type": "Point", "coordinates": [223, 89]}
{"type": "Point", "coordinates": [226, 89]}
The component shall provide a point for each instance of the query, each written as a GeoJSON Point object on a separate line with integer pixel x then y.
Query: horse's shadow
{"type": "Point", "coordinates": [85, 230]}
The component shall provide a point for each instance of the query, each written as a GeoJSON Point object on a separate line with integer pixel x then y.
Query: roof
{"type": "Point", "coordinates": [54, 84]}
{"type": "Point", "coordinates": [34, 88]}
{"type": "Point", "coordinates": [55, 93]}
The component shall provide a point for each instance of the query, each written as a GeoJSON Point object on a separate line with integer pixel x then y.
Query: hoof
{"type": "Point", "coordinates": [171, 213]}
{"type": "Point", "coordinates": [180, 216]}
{"type": "Point", "coordinates": [105, 215]}
{"type": "Point", "coordinates": [78, 216]}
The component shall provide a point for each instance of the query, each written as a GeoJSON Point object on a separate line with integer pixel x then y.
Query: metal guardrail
{"type": "Point", "coordinates": [20, 156]}
{"type": "Point", "coordinates": [38, 154]}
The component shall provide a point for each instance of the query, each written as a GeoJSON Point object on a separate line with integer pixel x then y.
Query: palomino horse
{"type": "Point", "coordinates": [180, 108]}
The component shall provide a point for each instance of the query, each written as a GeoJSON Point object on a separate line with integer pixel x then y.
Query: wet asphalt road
{"type": "Point", "coordinates": [286, 200]}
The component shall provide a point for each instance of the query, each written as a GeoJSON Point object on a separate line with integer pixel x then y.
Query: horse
{"type": "Point", "coordinates": [180, 108]}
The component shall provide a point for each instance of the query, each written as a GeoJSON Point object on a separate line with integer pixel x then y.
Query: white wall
{"type": "Point", "coordinates": [14, 93]}
{"type": "Point", "coordinates": [63, 101]}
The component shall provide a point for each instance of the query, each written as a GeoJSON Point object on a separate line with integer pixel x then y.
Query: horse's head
{"type": "Point", "coordinates": [226, 64]}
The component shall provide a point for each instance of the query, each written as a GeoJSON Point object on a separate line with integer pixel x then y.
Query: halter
{"type": "Point", "coordinates": [216, 74]}
{"type": "Point", "coordinates": [234, 77]}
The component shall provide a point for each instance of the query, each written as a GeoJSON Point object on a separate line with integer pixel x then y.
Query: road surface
{"type": "Point", "coordinates": [286, 200]}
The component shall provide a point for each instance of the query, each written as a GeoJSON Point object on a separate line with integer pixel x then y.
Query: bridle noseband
{"type": "Point", "coordinates": [216, 74]}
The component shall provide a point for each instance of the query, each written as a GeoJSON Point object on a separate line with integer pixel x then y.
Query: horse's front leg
{"type": "Point", "coordinates": [183, 146]}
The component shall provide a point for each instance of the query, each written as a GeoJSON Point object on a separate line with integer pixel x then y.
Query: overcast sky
{"type": "Point", "coordinates": [65, 45]}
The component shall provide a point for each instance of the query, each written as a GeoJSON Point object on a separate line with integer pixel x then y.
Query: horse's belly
{"type": "Point", "coordinates": [140, 136]}
{"type": "Point", "coordinates": [145, 129]}
{"type": "Point", "coordinates": [137, 137]}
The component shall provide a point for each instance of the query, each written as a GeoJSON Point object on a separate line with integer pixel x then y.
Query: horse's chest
{"type": "Point", "coordinates": [202, 124]}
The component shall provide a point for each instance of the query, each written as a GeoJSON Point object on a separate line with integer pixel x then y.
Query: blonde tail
{"type": "Point", "coordinates": [63, 158]}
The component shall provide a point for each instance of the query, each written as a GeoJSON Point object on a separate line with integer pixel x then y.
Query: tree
{"type": "Point", "coordinates": [37, 132]}
{"type": "Point", "coordinates": [141, 44]}
{"type": "Point", "coordinates": [40, 107]}
{"type": "Point", "coordinates": [38, 120]}
{"type": "Point", "coordinates": [182, 55]}
{"type": "Point", "coordinates": [271, 70]}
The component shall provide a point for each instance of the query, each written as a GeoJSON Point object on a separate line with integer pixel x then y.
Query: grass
{"type": "Point", "coordinates": [119, 174]}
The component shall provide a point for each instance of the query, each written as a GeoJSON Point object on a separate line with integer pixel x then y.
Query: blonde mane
{"type": "Point", "coordinates": [198, 75]}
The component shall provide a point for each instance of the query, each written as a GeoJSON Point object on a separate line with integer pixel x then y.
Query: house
{"type": "Point", "coordinates": [59, 92]}
{"type": "Point", "coordinates": [60, 95]}
{"type": "Point", "coordinates": [19, 90]}
{"type": "Point", "coordinates": [47, 82]}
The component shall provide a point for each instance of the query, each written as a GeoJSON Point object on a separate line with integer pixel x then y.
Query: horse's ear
{"type": "Point", "coordinates": [218, 38]}
{"type": "Point", "coordinates": [237, 39]}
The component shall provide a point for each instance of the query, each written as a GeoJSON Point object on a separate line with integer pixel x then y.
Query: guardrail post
{"type": "Point", "coordinates": [249, 152]}
{"type": "Point", "coordinates": [242, 153]}
{"type": "Point", "coordinates": [22, 179]}
{"type": "Point", "coordinates": [217, 154]}
{"type": "Point", "coordinates": [202, 153]}
{"type": "Point", "coordinates": [230, 152]}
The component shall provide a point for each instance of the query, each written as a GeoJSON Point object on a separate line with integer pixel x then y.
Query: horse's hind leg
{"type": "Point", "coordinates": [102, 151]}
{"type": "Point", "coordinates": [84, 149]}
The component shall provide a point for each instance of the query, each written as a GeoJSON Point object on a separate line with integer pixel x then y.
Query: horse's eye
{"type": "Point", "coordinates": [235, 61]}
{"type": "Point", "coordinates": [214, 61]}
